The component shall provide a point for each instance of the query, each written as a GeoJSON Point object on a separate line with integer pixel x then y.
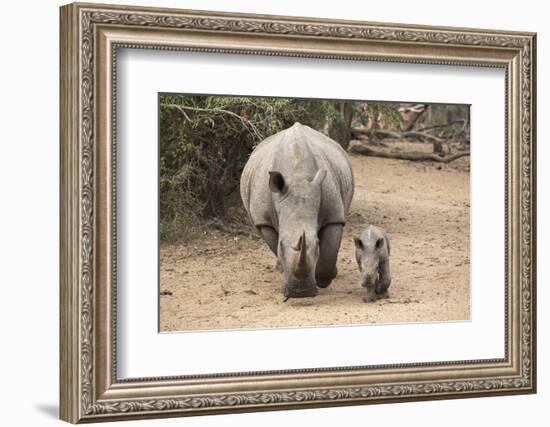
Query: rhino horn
{"type": "Point", "coordinates": [301, 265]}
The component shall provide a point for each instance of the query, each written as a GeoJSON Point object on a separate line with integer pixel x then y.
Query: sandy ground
{"type": "Point", "coordinates": [223, 281]}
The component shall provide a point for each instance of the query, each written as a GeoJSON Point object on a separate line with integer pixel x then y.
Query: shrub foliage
{"type": "Point", "coordinates": [206, 140]}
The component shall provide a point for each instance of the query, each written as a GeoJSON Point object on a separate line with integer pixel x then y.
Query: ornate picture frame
{"type": "Point", "coordinates": [90, 37]}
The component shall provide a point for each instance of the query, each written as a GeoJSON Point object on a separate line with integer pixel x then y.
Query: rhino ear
{"type": "Point", "coordinates": [277, 182]}
{"type": "Point", "coordinates": [358, 243]}
{"type": "Point", "coordinates": [319, 177]}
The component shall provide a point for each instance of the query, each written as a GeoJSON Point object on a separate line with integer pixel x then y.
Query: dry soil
{"type": "Point", "coordinates": [228, 281]}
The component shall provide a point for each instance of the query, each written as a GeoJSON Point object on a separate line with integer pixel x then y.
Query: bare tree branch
{"type": "Point", "coordinates": [444, 125]}
{"type": "Point", "coordinates": [411, 115]}
{"type": "Point", "coordinates": [246, 123]}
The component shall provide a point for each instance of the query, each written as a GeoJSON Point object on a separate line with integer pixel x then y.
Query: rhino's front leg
{"type": "Point", "coordinates": [271, 237]}
{"type": "Point", "coordinates": [330, 238]}
{"type": "Point", "coordinates": [384, 277]}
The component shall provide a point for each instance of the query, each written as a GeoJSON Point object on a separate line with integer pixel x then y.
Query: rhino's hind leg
{"type": "Point", "coordinates": [271, 237]}
{"type": "Point", "coordinates": [330, 238]}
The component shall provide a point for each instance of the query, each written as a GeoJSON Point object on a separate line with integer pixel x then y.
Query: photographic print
{"type": "Point", "coordinates": [285, 212]}
{"type": "Point", "coordinates": [258, 183]}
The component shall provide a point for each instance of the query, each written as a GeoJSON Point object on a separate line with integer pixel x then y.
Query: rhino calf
{"type": "Point", "coordinates": [372, 252]}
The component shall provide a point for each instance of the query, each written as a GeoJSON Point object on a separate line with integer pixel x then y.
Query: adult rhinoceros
{"type": "Point", "coordinates": [297, 187]}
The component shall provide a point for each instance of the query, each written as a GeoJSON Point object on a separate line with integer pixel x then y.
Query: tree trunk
{"type": "Point", "coordinates": [339, 127]}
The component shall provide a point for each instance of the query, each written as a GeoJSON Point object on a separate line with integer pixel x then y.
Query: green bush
{"type": "Point", "coordinates": [205, 142]}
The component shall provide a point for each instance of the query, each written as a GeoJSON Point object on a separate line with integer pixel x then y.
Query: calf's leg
{"type": "Point", "coordinates": [370, 294]}
{"type": "Point", "coordinates": [384, 277]}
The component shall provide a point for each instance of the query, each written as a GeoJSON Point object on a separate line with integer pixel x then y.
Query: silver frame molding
{"type": "Point", "coordinates": [90, 37]}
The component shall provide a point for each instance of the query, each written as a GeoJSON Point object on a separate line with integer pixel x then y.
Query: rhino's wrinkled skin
{"type": "Point", "coordinates": [297, 187]}
{"type": "Point", "coordinates": [372, 252]}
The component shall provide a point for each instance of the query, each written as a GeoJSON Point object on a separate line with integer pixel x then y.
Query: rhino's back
{"type": "Point", "coordinates": [332, 157]}
{"type": "Point", "coordinates": [297, 150]}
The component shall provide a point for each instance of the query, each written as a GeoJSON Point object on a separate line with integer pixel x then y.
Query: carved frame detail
{"type": "Point", "coordinates": [81, 397]}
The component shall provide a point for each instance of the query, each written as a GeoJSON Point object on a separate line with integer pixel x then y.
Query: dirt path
{"type": "Point", "coordinates": [222, 281]}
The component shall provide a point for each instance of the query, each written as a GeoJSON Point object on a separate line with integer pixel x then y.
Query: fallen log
{"type": "Point", "coordinates": [366, 139]}
{"type": "Point", "coordinates": [381, 134]}
{"type": "Point", "coordinates": [413, 156]}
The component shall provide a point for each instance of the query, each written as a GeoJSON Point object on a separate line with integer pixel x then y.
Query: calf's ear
{"type": "Point", "coordinates": [277, 182]}
{"type": "Point", "coordinates": [379, 243]}
{"type": "Point", "coordinates": [358, 243]}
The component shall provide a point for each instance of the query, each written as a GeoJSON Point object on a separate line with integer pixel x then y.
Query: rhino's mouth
{"type": "Point", "coordinates": [299, 292]}
{"type": "Point", "coordinates": [369, 280]}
